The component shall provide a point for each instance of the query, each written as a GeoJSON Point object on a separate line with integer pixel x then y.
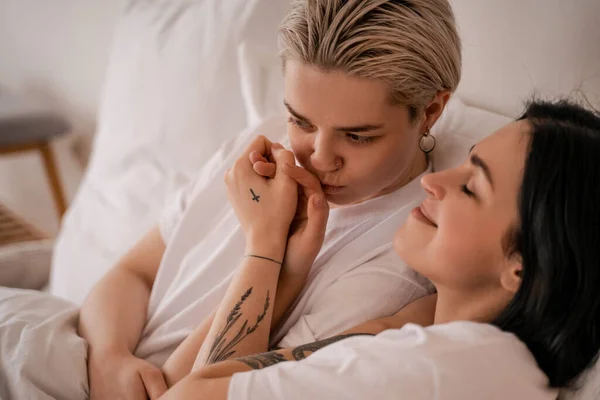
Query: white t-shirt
{"type": "Point", "coordinates": [356, 277]}
{"type": "Point", "coordinates": [455, 361]}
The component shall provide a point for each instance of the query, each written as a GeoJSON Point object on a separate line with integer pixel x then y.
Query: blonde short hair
{"type": "Point", "coordinates": [412, 45]}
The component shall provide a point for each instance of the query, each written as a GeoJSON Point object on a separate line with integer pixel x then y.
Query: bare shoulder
{"type": "Point", "coordinates": [420, 312]}
{"type": "Point", "coordinates": [372, 327]}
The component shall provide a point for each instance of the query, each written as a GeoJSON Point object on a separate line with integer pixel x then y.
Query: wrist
{"type": "Point", "coordinates": [293, 276]}
{"type": "Point", "coordinates": [265, 245]}
{"type": "Point", "coordinates": [107, 352]}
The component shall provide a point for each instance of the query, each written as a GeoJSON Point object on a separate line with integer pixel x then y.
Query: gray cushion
{"type": "Point", "coordinates": [26, 265]}
{"type": "Point", "coordinates": [24, 121]}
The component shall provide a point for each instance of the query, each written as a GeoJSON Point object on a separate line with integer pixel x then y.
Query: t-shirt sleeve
{"type": "Point", "coordinates": [176, 206]}
{"type": "Point", "coordinates": [448, 362]}
{"type": "Point", "coordinates": [346, 370]}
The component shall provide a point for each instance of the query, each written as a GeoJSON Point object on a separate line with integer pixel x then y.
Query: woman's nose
{"type": "Point", "coordinates": [323, 157]}
{"type": "Point", "coordinates": [434, 185]}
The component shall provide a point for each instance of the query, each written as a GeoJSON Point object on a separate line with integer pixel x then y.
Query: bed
{"type": "Point", "coordinates": [186, 76]}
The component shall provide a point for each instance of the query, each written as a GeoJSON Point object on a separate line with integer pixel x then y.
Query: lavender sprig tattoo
{"type": "Point", "coordinates": [222, 349]}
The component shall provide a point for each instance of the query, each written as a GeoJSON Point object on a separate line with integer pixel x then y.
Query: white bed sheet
{"type": "Point", "coordinates": [41, 355]}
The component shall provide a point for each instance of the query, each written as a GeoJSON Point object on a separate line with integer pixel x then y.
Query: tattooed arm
{"type": "Point", "coordinates": [420, 312]}
{"type": "Point", "coordinates": [243, 320]}
{"type": "Point", "coordinates": [181, 361]}
{"type": "Point", "coordinates": [303, 244]}
{"type": "Point", "coordinates": [265, 209]}
{"type": "Point", "coordinates": [212, 381]}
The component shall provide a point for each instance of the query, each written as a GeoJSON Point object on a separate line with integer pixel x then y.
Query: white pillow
{"type": "Point", "coordinates": [173, 94]}
{"type": "Point", "coordinates": [586, 388]}
{"type": "Point", "coordinates": [460, 127]}
{"type": "Point", "coordinates": [41, 355]}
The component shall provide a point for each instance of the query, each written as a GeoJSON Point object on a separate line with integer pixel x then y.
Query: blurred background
{"type": "Point", "coordinates": [107, 107]}
{"type": "Point", "coordinates": [56, 54]}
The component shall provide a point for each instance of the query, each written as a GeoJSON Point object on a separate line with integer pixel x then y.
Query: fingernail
{"type": "Point", "coordinates": [318, 200]}
{"type": "Point", "coordinates": [276, 146]}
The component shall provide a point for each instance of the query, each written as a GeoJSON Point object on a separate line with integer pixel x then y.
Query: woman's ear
{"type": "Point", "coordinates": [435, 108]}
{"type": "Point", "coordinates": [512, 275]}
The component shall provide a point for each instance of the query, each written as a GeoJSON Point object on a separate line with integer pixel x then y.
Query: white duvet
{"type": "Point", "coordinates": [41, 355]}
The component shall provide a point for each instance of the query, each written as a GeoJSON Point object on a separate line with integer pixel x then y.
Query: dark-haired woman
{"type": "Point", "coordinates": [511, 241]}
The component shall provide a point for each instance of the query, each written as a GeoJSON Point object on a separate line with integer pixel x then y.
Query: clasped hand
{"type": "Point", "coordinates": [277, 201]}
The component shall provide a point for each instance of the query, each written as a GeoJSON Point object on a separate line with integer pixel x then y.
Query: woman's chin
{"type": "Point", "coordinates": [338, 199]}
{"type": "Point", "coordinates": [409, 243]}
{"type": "Point", "coordinates": [400, 240]}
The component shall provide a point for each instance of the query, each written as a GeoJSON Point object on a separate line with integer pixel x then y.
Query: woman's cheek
{"type": "Point", "coordinates": [300, 148]}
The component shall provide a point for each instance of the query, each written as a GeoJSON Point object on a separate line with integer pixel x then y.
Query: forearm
{"type": "Point", "coordinates": [212, 381]}
{"type": "Point", "coordinates": [181, 362]}
{"type": "Point", "coordinates": [420, 311]}
{"type": "Point", "coordinates": [243, 319]}
{"type": "Point", "coordinates": [114, 314]}
{"type": "Point", "coordinates": [289, 287]}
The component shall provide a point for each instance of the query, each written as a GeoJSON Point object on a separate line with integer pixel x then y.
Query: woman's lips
{"type": "Point", "coordinates": [421, 215]}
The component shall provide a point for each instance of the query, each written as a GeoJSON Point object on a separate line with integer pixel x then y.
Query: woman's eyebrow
{"type": "Point", "coordinates": [295, 113]}
{"type": "Point", "coordinates": [478, 162]}
{"type": "Point", "coordinates": [359, 128]}
{"type": "Point", "coordinates": [355, 129]}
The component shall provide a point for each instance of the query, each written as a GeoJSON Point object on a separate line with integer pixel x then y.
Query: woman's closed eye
{"type": "Point", "coordinates": [357, 139]}
{"type": "Point", "coordinates": [465, 189]}
{"type": "Point", "coordinates": [303, 125]}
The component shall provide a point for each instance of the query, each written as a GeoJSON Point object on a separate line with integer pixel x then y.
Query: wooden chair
{"type": "Point", "coordinates": [25, 126]}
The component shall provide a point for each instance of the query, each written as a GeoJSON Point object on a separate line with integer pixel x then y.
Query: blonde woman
{"type": "Point", "coordinates": [365, 80]}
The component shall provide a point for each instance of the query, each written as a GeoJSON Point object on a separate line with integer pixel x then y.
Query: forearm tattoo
{"type": "Point", "coordinates": [260, 361]}
{"type": "Point", "coordinates": [222, 349]}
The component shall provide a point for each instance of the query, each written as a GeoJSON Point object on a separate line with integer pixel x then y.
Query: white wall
{"type": "Point", "coordinates": [57, 51]}
{"type": "Point", "coordinates": [513, 48]}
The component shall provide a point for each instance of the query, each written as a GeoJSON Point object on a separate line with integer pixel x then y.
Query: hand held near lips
{"type": "Point", "coordinates": [265, 207]}
{"type": "Point", "coordinates": [307, 230]}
